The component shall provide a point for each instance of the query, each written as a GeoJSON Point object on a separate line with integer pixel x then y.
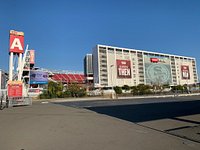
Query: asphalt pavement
{"type": "Point", "coordinates": [50, 126]}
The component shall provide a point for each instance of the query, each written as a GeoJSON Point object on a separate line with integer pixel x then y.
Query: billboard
{"type": "Point", "coordinates": [157, 70]}
{"type": "Point", "coordinates": [38, 77]}
{"type": "Point", "coordinates": [16, 42]}
{"type": "Point", "coordinates": [14, 89]}
{"type": "Point", "coordinates": [185, 72]}
{"type": "Point", "coordinates": [123, 68]}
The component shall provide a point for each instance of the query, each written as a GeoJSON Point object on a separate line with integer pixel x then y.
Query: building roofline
{"type": "Point", "coordinates": [146, 51]}
{"type": "Point", "coordinates": [88, 54]}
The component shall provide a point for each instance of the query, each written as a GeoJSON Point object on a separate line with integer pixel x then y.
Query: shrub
{"type": "Point", "coordinates": [76, 90]}
{"type": "Point", "coordinates": [67, 93]}
{"type": "Point", "coordinates": [118, 90]}
{"type": "Point", "coordinates": [135, 90]}
{"type": "Point", "coordinates": [59, 94]}
{"type": "Point", "coordinates": [55, 90]}
{"type": "Point", "coordinates": [81, 93]}
{"type": "Point", "coordinates": [141, 89]}
{"type": "Point", "coordinates": [126, 87]}
{"type": "Point", "coordinates": [44, 95]}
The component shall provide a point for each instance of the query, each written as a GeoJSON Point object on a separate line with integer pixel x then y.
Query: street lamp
{"type": "Point", "coordinates": [111, 66]}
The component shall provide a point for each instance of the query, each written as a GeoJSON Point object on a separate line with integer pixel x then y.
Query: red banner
{"type": "Point", "coordinates": [185, 72]}
{"type": "Point", "coordinates": [123, 69]}
{"type": "Point", "coordinates": [154, 60]}
{"type": "Point", "coordinates": [16, 42]}
{"type": "Point", "coordinates": [32, 56]}
{"type": "Point", "coordinates": [15, 89]}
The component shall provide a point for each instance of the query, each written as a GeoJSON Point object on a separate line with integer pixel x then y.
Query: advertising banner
{"type": "Point", "coordinates": [16, 42]}
{"type": "Point", "coordinates": [15, 89]}
{"type": "Point", "coordinates": [154, 60]}
{"type": "Point", "coordinates": [32, 56]}
{"type": "Point", "coordinates": [123, 68]}
{"type": "Point", "coordinates": [185, 72]}
{"type": "Point", "coordinates": [38, 77]}
{"type": "Point", "coordinates": [157, 70]}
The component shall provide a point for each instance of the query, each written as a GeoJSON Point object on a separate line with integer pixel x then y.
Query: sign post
{"type": "Point", "coordinates": [15, 89]}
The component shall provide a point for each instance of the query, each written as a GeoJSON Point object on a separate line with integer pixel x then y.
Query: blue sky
{"type": "Point", "coordinates": [63, 31]}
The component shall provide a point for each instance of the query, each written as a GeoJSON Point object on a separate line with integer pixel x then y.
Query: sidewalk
{"type": "Point", "coordinates": [160, 96]}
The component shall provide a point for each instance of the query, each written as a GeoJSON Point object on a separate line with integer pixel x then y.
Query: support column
{"type": "Point", "coordinates": [11, 67]}
{"type": "Point", "coordinates": [20, 67]}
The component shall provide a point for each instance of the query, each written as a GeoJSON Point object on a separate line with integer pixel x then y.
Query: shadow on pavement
{"type": "Point", "coordinates": [152, 111]}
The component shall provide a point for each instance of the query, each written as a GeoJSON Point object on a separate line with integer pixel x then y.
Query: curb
{"type": "Point", "coordinates": [103, 98]}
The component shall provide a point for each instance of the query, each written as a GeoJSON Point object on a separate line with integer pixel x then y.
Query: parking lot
{"type": "Point", "coordinates": [127, 124]}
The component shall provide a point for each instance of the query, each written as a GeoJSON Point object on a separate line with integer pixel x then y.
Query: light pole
{"type": "Point", "coordinates": [111, 74]}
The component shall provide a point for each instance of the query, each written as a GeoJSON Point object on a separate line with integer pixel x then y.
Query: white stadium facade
{"type": "Point", "coordinates": [117, 66]}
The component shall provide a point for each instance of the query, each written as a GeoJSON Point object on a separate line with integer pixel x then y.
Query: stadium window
{"type": "Point", "coordinates": [126, 51]}
{"type": "Point", "coordinates": [119, 50]}
{"type": "Point", "coordinates": [111, 49]}
{"type": "Point", "coordinates": [102, 51]}
{"type": "Point", "coordinates": [102, 47]}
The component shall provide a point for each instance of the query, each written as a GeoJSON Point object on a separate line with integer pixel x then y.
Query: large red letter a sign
{"type": "Point", "coordinates": [16, 43]}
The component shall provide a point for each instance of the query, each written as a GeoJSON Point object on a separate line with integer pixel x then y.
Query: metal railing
{"type": "Point", "coordinates": [3, 98]}
{"type": "Point", "coordinates": [20, 101]}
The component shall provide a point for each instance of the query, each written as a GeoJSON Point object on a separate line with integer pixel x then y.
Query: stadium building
{"type": "Point", "coordinates": [117, 66]}
{"type": "Point", "coordinates": [66, 77]}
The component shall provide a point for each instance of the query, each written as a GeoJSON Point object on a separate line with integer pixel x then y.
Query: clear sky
{"type": "Point", "coordinates": [63, 31]}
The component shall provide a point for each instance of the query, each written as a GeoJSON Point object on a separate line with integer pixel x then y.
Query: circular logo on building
{"type": "Point", "coordinates": [158, 73]}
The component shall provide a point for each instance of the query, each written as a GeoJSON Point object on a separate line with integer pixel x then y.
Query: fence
{"type": "Point", "coordinates": [3, 95]}
{"type": "Point", "coordinates": [20, 101]}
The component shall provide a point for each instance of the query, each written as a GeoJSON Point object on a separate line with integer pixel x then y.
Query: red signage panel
{"type": "Point", "coordinates": [14, 89]}
{"type": "Point", "coordinates": [154, 60]}
{"type": "Point", "coordinates": [32, 56]}
{"type": "Point", "coordinates": [16, 42]}
{"type": "Point", "coordinates": [123, 68]}
{"type": "Point", "coordinates": [185, 72]}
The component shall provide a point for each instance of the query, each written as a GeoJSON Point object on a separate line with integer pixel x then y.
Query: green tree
{"type": "Point", "coordinates": [82, 92]}
{"type": "Point", "coordinates": [179, 88]}
{"type": "Point", "coordinates": [56, 90]}
{"type": "Point", "coordinates": [52, 89]}
{"type": "Point", "coordinates": [144, 89]}
{"type": "Point", "coordinates": [73, 88]}
{"type": "Point", "coordinates": [134, 90]}
{"type": "Point", "coordinates": [59, 90]}
{"type": "Point", "coordinates": [118, 90]}
{"type": "Point", "coordinates": [76, 90]}
{"type": "Point", "coordinates": [67, 93]}
{"type": "Point", "coordinates": [126, 88]}
{"type": "Point", "coordinates": [44, 95]}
